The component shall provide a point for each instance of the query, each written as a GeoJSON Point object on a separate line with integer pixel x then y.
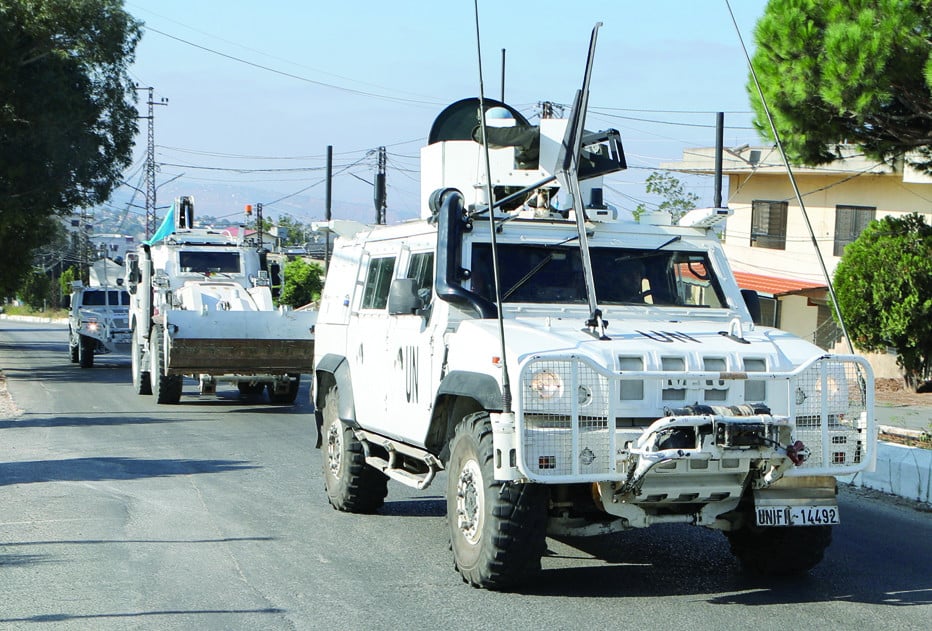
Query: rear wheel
{"type": "Point", "coordinates": [779, 550]}
{"type": "Point", "coordinates": [86, 347]}
{"type": "Point", "coordinates": [141, 378]}
{"type": "Point", "coordinates": [285, 397]}
{"type": "Point", "coordinates": [351, 484]}
{"type": "Point", "coordinates": [497, 529]}
{"type": "Point", "coordinates": [165, 388]}
{"type": "Point", "coordinates": [248, 388]}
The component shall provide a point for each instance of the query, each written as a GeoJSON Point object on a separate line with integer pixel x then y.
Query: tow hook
{"type": "Point", "coordinates": [797, 452]}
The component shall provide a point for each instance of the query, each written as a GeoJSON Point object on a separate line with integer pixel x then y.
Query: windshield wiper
{"type": "Point", "coordinates": [524, 279]}
{"type": "Point", "coordinates": [648, 253]}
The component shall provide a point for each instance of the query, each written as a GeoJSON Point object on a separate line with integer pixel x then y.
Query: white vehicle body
{"type": "Point", "coordinates": [202, 306]}
{"type": "Point", "coordinates": [98, 322]}
{"type": "Point", "coordinates": [668, 405]}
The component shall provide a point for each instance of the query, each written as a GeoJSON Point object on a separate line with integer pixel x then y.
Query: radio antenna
{"type": "Point", "coordinates": [506, 382]}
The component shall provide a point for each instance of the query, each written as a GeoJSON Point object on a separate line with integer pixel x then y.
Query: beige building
{"type": "Point", "coordinates": [770, 245]}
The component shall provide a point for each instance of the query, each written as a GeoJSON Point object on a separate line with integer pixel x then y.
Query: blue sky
{"type": "Point", "coordinates": [256, 91]}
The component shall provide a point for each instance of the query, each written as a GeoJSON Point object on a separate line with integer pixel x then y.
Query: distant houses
{"type": "Point", "coordinates": [767, 239]}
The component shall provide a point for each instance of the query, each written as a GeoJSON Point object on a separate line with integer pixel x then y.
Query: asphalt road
{"type": "Point", "coordinates": [116, 513]}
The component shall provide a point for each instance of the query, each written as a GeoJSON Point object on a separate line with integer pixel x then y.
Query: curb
{"type": "Point", "coordinates": [901, 470]}
{"type": "Point", "coordinates": [903, 432]}
{"type": "Point", "coordinates": [22, 318]}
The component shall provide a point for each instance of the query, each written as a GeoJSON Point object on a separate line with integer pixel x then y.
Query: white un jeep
{"type": "Point", "coordinates": [610, 377]}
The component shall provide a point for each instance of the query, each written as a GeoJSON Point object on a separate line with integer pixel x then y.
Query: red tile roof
{"type": "Point", "coordinates": [774, 286]}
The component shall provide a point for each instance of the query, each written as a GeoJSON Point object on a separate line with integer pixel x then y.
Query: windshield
{"type": "Point", "coordinates": [553, 274]}
{"type": "Point", "coordinates": [100, 298]}
{"type": "Point", "coordinates": [209, 262]}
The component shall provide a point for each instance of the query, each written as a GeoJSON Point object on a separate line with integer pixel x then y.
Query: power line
{"type": "Point", "coordinates": [317, 183]}
{"type": "Point", "coordinates": [663, 122]}
{"type": "Point", "coordinates": [265, 54]}
{"type": "Point", "coordinates": [240, 169]}
{"type": "Point", "coordinates": [290, 75]}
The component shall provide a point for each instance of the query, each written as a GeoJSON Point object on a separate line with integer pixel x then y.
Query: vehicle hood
{"type": "Point", "coordinates": [651, 339]}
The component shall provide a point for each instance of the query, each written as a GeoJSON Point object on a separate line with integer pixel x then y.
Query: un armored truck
{"type": "Point", "coordinates": [202, 307]}
{"type": "Point", "coordinates": [98, 322]}
{"type": "Point", "coordinates": [572, 371]}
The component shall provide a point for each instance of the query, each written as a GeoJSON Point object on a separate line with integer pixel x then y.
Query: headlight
{"type": "Point", "coordinates": [583, 395]}
{"type": "Point", "coordinates": [92, 325]}
{"type": "Point", "coordinates": [547, 384]}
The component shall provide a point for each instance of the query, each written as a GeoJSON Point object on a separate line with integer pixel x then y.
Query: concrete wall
{"type": "Point", "coordinates": [797, 317]}
{"type": "Point", "coordinates": [902, 471]}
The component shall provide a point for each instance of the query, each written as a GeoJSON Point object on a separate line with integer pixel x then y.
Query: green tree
{"type": "Point", "coordinates": [67, 277]}
{"type": "Point", "coordinates": [303, 283]}
{"type": "Point", "coordinates": [35, 289]}
{"type": "Point", "coordinates": [676, 200]}
{"type": "Point", "coordinates": [884, 288]}
{"type": "Point", "coordinates": [293, 229]}
{"type": "Point", "coordinates": [842, 71]}
{"type": "Point", "coordinates": [67, 116]}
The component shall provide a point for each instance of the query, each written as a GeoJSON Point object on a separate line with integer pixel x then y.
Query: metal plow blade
{"type": "Point", "coordinates": [243, 356]}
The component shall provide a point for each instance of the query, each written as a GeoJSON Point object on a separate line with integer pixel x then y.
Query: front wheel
{"type": "Point", "coordinates": [497, 529]}
{"type": "Point", "coordinates": [141, 379]}
{"type": "Point", "coordinates": [351, 484]}
{"type": "Point", "coordinates": [86, 346]}
{"type": "Point", "coordinates": [165, 388]}
{"type": "Point", "coordinates": [72, 346]}
{"type": "Point", "coordinates": [779, 550]}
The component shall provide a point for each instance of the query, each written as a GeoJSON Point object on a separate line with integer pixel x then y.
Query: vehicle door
{"type": "Point", "coordinates": [415, 349]}
{"type": "Point", "coordinates": [366, 348]}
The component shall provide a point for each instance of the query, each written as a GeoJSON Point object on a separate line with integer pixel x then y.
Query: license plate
{"type": "Point", "coordinates": [796, 515]}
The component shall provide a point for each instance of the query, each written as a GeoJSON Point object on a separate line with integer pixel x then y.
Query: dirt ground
{"type": "Point", "coordinates": [894, 391]}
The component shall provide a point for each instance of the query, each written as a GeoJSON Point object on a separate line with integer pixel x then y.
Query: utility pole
{"type": "Point", "coordinates": [546, 109]}
{"type": "Point", "coordinates": [328, 216]}
{"type": "Point", "coordinates": [259, 223]}
{"type": "Point", "coordinates": [85, 245]}
{"type": "Point", "coordinates": [151, 219]}
{"type": "Point", "coordinates": [379, 196]}
{"type": "Point", "coordinates": [503, 76]}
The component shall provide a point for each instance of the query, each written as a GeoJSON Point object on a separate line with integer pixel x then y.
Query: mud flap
{"type": "Point", "coordinates": [319, 421]}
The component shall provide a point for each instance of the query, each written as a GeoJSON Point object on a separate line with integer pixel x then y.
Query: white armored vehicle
{"type": "Point", "coordinates": [572, 371]}
{"type": "Point", "coordinates": [202, 307]}
{"type": "Point", "coordinates": [98, 322]}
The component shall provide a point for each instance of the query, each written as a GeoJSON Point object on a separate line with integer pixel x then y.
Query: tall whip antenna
{"type": "Point", "coordinates": [506, 382]}
{"type": "Point", "coordinates": [789, 171]}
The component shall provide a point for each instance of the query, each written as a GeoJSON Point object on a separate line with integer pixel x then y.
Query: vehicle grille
{"type": "Point", "coordinates": [574, 419]}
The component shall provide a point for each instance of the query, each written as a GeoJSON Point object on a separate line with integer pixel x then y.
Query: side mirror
{"type": "Point", "coordinates": [752, 302]}
{"type": "Point", "coordinates": [275, 273]}
{"type": "Point", "coordinates": [403, 298]}
{"type": "Point", "coordinates": [66, 302]}
{"type": "Point", "coordinates": [133, 274]}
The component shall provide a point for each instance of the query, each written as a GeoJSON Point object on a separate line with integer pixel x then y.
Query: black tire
{"type": "Point", "coordinates": [86, 348]}
{"type": "Point", "coordinates": [351, 484]}
{"type": "Point", "coordinates": [288, 396]}
{"type": "Point", "coordinates": [779, 550]}
{"type": "Point", "coordinates": [498, 530]}
{"type": "Point", "coordinates": [72, 348]}
{"type": "Point", "coordinates": [142, 383]}
{"type": "Point", "coordinates": [250, 389]}
{"type": "Point", "coordinates": [165, 388]}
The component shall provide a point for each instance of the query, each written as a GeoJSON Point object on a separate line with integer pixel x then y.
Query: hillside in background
{"type": "Point", "coordinates": [221, 206]}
